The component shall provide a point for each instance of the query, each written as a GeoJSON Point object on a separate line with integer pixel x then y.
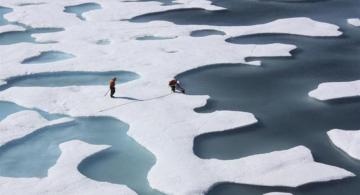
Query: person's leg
{"type": "Point", "coordinates": [173, 88]}
{"type": "Point", "coordinates": [180, 88]}
{"type": "Point", "coordinates": [112, 92]}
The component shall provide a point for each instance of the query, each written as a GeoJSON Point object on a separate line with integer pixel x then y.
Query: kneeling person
{"type": "Point", "coordinates": [175, 85]}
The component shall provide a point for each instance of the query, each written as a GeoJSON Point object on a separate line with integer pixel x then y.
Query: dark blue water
{"type": "Point", "coordinates": [251, 12]}
{"type": "Point", "coordinates": [78, 10]}
{"type": "Point", "coordinates": [277, 94]}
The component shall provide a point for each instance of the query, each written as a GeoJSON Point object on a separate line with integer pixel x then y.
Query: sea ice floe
{"type": "Point", "coordinates": [164, 123]}
{"type": "Point", "coordinates": [336, 90]}
{"type": "Point", "coordinates": [348, 141]}
{"type": "Point", "coordinates": [112, 10]}
{"type": "Point", "coordinates": [23, 123]}
{"type": "Point", "coordinates": [63, 177]}
{"type": "Point", "coordinates": [168, 131]}
{"type": "Point", "coordinates": [354, 21]}
{"type": "Point", "coordinates": [125, 50]}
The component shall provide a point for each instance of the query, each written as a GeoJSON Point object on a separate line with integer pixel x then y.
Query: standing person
{"type": "Point", "coordinates": [175, 85]}
{"type": "Point", "coordinates": [112, 87]}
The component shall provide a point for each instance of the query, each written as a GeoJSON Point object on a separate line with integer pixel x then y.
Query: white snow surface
{"type": "Point", "coordinates": [278, 193]}
{"type": "Point", "coordinates": [354, 21]}
{"type": "Point", "coordinates": [336, 90]}
{"type": "Point", "coordinates": [63, 177]}
{"type": "Point", "coordinates": [11, 28]}
{"type": "Point", "coordinates": [22, 123]}
{"type": "Point", "coordinates": [164, 123]}
{"type": "Point", "coordinates": [346, 140]}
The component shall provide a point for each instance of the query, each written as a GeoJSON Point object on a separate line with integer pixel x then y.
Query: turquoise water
{"type": "Point", "coordinates": [61, 79]}
{"type": "Point", "coordinates": [9, 38]}
{"type": "Point", "coordinates": [3, 11]}
{"type": "Point", "coordinates": [48, 56]}
{"type": "Point", "coordinates": [78, 10]}
{"type": "Point", "coordinates": [125, 162]}
{"type": "Point", "coordinates": [8, 108]}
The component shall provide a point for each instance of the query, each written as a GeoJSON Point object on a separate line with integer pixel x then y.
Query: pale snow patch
{"type": "Point", "coordinates": [348, 141]}
{"type": "Point", "coordinates": [23, 123]}
{"type": "Point", "coordinates": [11, 28]}
{"type": "Point", "coordinates": [354, 21]}
{"type": "Point", "coordinates": [63, 177]}
{"type": "Point", "coordinates": [2, 83]}
{"type": "Point", "coordinates": [336, 90]}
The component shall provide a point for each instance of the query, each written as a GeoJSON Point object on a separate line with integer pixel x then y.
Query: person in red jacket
{"type": "Point", "coordinates": [175, 85]}
{"type": "Point", "coordinates": [112, 87]}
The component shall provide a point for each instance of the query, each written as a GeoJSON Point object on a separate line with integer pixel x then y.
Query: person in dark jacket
{"type": "Point", "coordinates": [175, 85]}
{"type": "Point", "coordinates": [112, 87]}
